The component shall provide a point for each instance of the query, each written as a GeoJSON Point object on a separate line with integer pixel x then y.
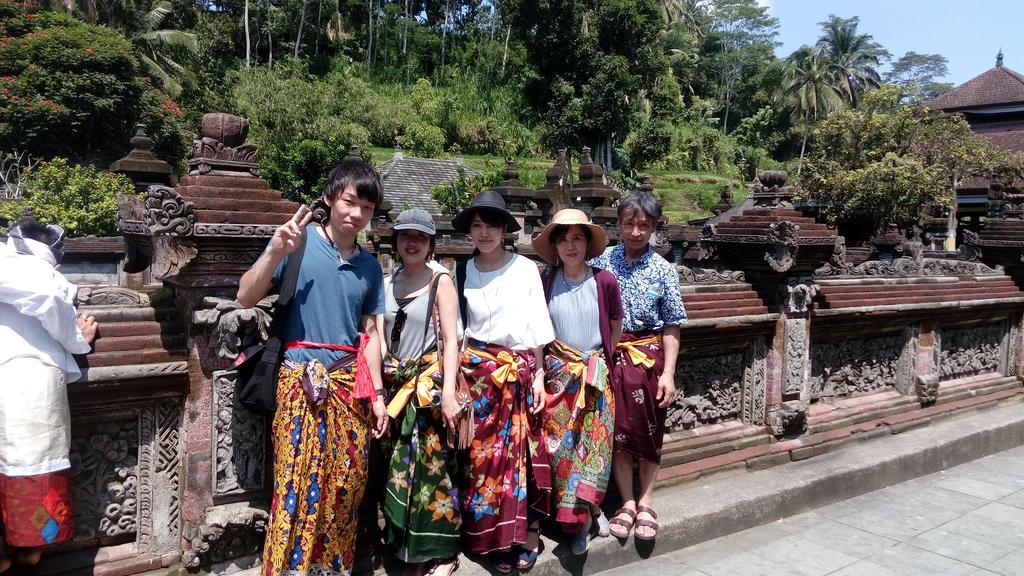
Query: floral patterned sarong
{"type": "Point", "coordinates": [421, 505]}
{"type": "Point", "coordinates": [320, 454]}
{"type": "Point", "coordinates": [639, 422]}
{"type": "Point", "coordinates": [508, 469]}
{"type": "Point", "coordinates": [578, 423]}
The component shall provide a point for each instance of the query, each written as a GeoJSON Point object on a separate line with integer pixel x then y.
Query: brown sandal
{"type": "Point", "coordinates": [626, 524]}
{"type": "Point", "coordinates": [646, 523]}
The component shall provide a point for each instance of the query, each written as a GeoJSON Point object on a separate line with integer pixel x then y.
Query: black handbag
{"type": "Point", "coordinates": [258, 365]}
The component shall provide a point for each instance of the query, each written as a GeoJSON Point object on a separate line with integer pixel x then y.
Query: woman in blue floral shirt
{"type": "Point", "coordinates": [643, 374]}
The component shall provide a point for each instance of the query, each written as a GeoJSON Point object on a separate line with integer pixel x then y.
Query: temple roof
{"type": "Point", "coordinates": [998, 86]}
{"type": "Point", "coordinates": [408, 181]}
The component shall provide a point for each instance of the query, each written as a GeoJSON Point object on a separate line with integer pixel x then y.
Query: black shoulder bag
{"type": "Point", "coordinates": [258, 365]}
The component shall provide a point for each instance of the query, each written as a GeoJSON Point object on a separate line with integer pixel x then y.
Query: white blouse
{"type": "Point", "coordinates": [507, 306]}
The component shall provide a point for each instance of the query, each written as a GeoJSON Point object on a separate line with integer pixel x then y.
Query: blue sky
{"type": "Point", "coordinates": [967, 33]}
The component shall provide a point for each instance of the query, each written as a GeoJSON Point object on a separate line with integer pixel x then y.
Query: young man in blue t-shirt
{"type": "Point", "coordinates": [329, 392]}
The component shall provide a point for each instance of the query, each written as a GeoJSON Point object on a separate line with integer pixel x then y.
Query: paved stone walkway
{"type": "Point", "coordinates": [965, 520]}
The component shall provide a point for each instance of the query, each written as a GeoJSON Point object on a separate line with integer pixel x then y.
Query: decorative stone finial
{"type": "Point", "coordinates": [141, 165]}
{"type": "Point", "coordinates": [999, 59]}
{"type": "Point", "coordinates": [398, 152]}
{"type": "Point", "coordinates": [353, 154]}
{"type": "Point", "coordinates": [221, 150]}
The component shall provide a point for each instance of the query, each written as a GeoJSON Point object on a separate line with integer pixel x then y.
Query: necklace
{"type": "Point", "coordinates": [573, 286]}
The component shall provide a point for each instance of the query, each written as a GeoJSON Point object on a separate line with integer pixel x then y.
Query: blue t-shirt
{"type": "Point", "coordinates": [330, 298]}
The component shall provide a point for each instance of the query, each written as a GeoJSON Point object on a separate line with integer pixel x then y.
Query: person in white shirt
{"type": "Point", "coordinates": [39, 331]}
{"type": "Point", "coordinates": [507, 325]}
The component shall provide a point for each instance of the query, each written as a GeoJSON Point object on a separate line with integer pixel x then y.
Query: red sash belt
{"type": "Point", "coordinates": [364, 384]}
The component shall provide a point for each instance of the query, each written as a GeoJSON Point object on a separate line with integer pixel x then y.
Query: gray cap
{"type": "Point", "coordinates": [415, 219]}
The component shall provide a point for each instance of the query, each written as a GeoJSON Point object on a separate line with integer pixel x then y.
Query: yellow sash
{"type": "Point", "coordinates": [636, 355]}
{"type": "Point", "coordinates": [422, 386]}
{"type": "Point", "coordinates": [508, 365]}
{"type": "Point", "coordinates": [589, 369]}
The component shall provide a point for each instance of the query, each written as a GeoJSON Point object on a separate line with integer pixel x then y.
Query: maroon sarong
{"type": "Point", "coordinates": [639, 422]}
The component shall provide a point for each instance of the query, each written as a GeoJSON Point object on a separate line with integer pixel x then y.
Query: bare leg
{"type": "Point", "coordinates": [648, 472]}
{"type": "Point", "coordinates": [30, 556]}
{"type": "Point", "coordinates": [5, 562]}
{"type": "Point", "coordinates": [622, 466]}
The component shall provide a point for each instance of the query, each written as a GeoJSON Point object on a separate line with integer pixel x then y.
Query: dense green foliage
{"type": "Point", "coordinates": [80, 198]}
{"type": "Point", "coordinates": [74, 90]}
{"type": "Point", "coordinates": [652, 86]}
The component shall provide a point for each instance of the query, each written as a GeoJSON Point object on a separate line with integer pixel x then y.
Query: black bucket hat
{"type": "Point", "coordinates": [490, 201]}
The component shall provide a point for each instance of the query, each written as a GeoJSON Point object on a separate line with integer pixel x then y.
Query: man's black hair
{"type": "Point", "coordinates": [358, 175]}
{"type": "Point", "coordinates": [34, 230]}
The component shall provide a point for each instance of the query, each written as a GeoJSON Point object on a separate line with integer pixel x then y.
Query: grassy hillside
{"type": "Point", "coordinates": [687, 195]}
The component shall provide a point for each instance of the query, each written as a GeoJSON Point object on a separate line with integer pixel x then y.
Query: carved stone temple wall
{"type": "Point", "coordinates": [791, 349]}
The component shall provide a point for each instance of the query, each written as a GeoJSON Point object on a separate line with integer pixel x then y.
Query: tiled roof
{"type": "Point", "coordinates": [1009, 138]}
{"type": "Point", "coordinates": [408, 181]}
{"type": "Point", "coordinates": [995, 87]}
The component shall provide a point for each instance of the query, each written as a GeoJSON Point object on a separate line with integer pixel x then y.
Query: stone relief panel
{"type": "Point", "coordinates": [971, 351]}
{"type": "Point", "coordinates": [755, 384]}
{"type": "Point", "coordinates": [711, 393]}
{"type": "Point", "coordinates": [796, 355]}
{"type": "Point", "coordinates": [105, 477]}
{"type": "Point", "coordinates": [856, 366]}
{"type": "Point", "coordinates": [238, 440]}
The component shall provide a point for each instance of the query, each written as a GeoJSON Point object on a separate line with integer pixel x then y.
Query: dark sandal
{"type": "Point", "coordinates": [627, 525]}
{"type": "Point", "coordinates": [646, 524]}
{"type": "Point", "coordinates": [526, 559]}
{"type": "Point", "coordinates": [453, 562]}
{"type": "Point", "coordinates": [503, 562]}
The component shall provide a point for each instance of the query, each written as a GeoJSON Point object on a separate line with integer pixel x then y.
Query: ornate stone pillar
{"type": "Point", "coordinates": [199, 238]}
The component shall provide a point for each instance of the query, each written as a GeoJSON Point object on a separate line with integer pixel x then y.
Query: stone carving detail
{"type": "Point", "coordinates": [233, 230]}
{"type": "Point", "coordinates": [695, 275]}
{"type": "Point", "coordinates": [855, 366]}
{"type": "Point", "coordinates": [104, 477]}
{"type": "Point", "coordinates": [837, 264]}
{"type": "Point", "coordinates": [229, 532]}
{"type": "Point", "coordinates": [755, 384]}
{"type": "Point", "coordinates": [238, 440]}
{"type": "Point", "coordinates": [214, 150]}
{"type": "Point", "coordinates": [705, 242]}
{"type": "Point", "coordinates": [799, 294]}
{"type": "Point", "coordinates": [770, 190]}
{"type": "Point", "coordinates": [234, 328]}
{"type": "Point", "coordinates": [790, 419]}
{"type": "Point", "coordinates": [1013, 343]}
{"type": "Point", "coordinates": [171, 255]}
{"type": "Point", "coordinates": [712, 386]}
{"type": "Point", "coordinates": [796, 355]}
{"type": "Point", "coordinates": [912, 267]}
{"type": "Point", "coordinates": [221, 150]}
{"type": "Point", "coordinates": [111, 296]}
{"type": "Point", "coordinates": [167, 213]}
{"type": "Point", "coordinates": [159, 525]}
{"type": "Point", "coordinates": [970, 250]}
{"type": "Point", "coordinates": [927, 388]}
{"type": "Point", "coordinates": [783, 244]}
{"type": "Point", "coordinates": [970, 351]}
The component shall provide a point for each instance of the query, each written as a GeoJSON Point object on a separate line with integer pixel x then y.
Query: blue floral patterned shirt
{"type": "Point", "coordinates": [649, 288]}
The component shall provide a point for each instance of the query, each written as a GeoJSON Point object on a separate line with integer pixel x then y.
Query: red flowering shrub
{"type": "Point", "coordinates": [74, 90]}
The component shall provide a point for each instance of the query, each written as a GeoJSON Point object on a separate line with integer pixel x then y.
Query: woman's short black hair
{"type": "Point", "coordinates": [358, 175]}
{"type": "Point", "coordinates": [559, 232]}
{"type": "Point", "coordinates": [34, 230]}
{"type": "Point", "coordinates": [640, 201]}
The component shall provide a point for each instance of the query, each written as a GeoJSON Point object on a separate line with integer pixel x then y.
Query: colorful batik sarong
{"type": "Point", "coordinates": [421, 503]}
{"type": "Point", "coordinates": [508, 469]}
{"type": "Point", "coordinates": [578, 423]}
{"type": "Point", "coordinates": [639, 422]}
{"type": "Point", "coordinates": [320, 454]}
{"type": "Point", "coordinates": [35, 439]}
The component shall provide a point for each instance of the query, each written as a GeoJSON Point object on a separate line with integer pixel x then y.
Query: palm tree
{"type": "Point", "coordinates": [689, 13]}
{"type": "Point", "coordinates": [855, 57]}
{"type": "Point", "coordinates": [810, 80]}
{"type": "Point", "coordinates": [145, 30]}
{"type": "Point", "coordinates": [151, 42]}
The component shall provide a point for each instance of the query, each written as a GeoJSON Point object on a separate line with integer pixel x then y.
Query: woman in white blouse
{"type": "Point", "coordinates": [507, 325]}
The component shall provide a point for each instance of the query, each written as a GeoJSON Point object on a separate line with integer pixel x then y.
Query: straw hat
{"type": "Point", "coordinates": [569, 216]}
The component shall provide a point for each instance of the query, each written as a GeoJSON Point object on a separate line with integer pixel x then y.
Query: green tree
{"type": "Point", "coordinates": [892, 163]}
{"type": "Point", "coordinates": [918, 74]}
{"type": "Point", "coordinates": [854, 57]}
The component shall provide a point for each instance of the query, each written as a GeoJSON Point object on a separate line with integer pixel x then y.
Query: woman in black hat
{"type": "Point", "coordinates": [506, 328]}
{"type": "Point", "coordinates": [420, 330]}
